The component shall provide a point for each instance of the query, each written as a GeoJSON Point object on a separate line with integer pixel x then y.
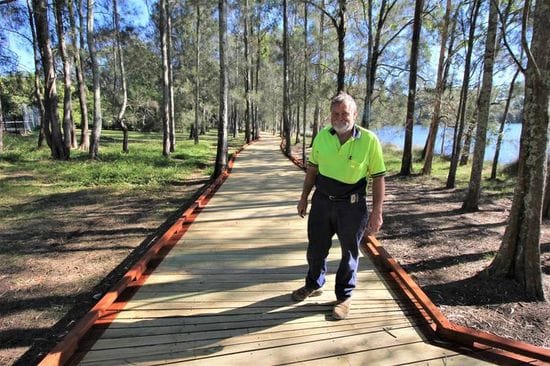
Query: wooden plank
{"type": "Point", "coordinates": [156, 278]}
{"type": "Point", "coordinates": [404, 341]}
{"type": "Point", "coordinates": [127, 338]}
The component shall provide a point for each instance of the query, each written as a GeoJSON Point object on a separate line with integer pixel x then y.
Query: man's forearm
{"type": "Point", "coordinates": [309, 181]}
{"type": "Point", "coordinates": [378, 193]}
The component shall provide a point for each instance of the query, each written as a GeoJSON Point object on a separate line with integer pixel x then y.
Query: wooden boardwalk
{"type": "Point", "coordinates": [222, 295]}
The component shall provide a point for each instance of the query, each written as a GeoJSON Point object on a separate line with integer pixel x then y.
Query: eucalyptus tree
{"type": "Point", "coordinates": [78, 46]}
{"type": "Point", "coordinates": [221, 153]}
{"type": "Point", "coordinates": [459, 126]}
{"type": "Point", "coordinates": [1, 127]}
{"type": "Point", "coordinates": [519, 254]}
{"type": "Point", "coordinates": [39, 99]}
{"type": "Point", "coordinates": [165, 111]}
{"type": "Point", "coordinates": [406, 161]}
{"type": "Point", "coordinates": [379, 38]}
{"type": "Point", "coordinates": [247, 114]}
{"type": "Point", "coordinates": [439, 89]}
{"type": "Point", "coordinates": [171, 108]}
{"type": "Point", "coordinates": [120, 119]}
{"type": "Point", "coordinates": [474, 188]}
{"type": "Point", "coordinates": [197, 71]}
{"type": "Point", "coordinates": [98, 116]}
{"type": "Point", "coordinates": [286, 96]}
{"type": "Point", "coordinates": [52, 129]}
{"type": "Point", "coordinates": [306, 61]}
{"type": "Point", "coordinates": [60, 6]}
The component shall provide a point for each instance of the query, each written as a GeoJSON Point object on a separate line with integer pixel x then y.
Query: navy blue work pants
{"type": "Point", "coordinates": [348, 221]}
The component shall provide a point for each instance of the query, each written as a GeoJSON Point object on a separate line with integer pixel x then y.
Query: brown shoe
{"type": "Point", "coordinates": [303, 293]}
{"type": "Point", "coordinates": [341, 309]}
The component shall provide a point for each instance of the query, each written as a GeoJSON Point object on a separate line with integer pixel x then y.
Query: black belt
{"type": "Point", "coordinates": [353, 198]}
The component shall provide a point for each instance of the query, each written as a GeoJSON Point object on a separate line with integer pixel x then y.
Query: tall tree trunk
{"type": "Point", "coordinates": [197, 69]}
{"type": "Point", "coordinates": [165, 81]}
{"type": "Point", "coordinates": [406, 162]}
{"type": "Point", "coordinates": [471, 202]}
{"type": "Point", "coordinates": [459, 127]}
{"type": "Point", "coordinates": [1, 127]}
{"type": "Point", "coordinates": [98, 118]}
{"type": "Point", "coordinates": [171, 107]}
{"type": "Point", "coordinates": [372, 60]}
{"type": "Point", "coordinates": [52, 129]}
{"type": "Point", "coordinates": [67, 118]}
{"type": "Point", "coordinates": [306, 62]}
{"type": "Point", "coordinates": [341, 32]}
{"type": "Point", "coordinates": [546, 202]}
{"type": "Point", "coordinates": [319, 74]}
{"type": "Point", "coordinates": [37, 87]}
{"type": "Point", "coordinates": [519, 254]}
{"type": "Point", "coordinates": [221, 154]}
{"type": "Point", "coordinates": [257, 83]}
{"type": "Point", "coordinates": [439, 88]}
{"type": "Point", "coordinates": [122, 110]}
{"type": "Point", "coordinates": [286, 95]}
{"type": "Point", "coordinates": [502, 125]}
{"type": "Point", "coordinates": [247, 72]}
{"type": "Point", "coordinates": [82, 90]}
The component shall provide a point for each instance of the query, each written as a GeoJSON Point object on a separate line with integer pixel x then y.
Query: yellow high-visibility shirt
{"type": "Point", "coordinates": [359, 157]}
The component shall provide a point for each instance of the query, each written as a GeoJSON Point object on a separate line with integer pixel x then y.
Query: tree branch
{"type": "Point", "coordinates": [331, 17]}
{"type": "Point", "coordinates": [395, 36]}
{"type": "Point", "coordinates": [503, 25]}
{"type": "Point", "coordinates": [524, 43]}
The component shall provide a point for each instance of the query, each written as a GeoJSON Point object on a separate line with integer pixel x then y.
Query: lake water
{"type": "Point", "coordinates": [509, 151]}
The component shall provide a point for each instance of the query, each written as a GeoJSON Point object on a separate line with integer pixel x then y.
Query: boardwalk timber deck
{"type": "Point", "coordinates": [221, 295]}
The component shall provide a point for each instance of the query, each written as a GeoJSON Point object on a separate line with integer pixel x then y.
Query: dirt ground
{"type": "Point", "coordinates": [444, 249]}
{"type": "Point", "coordinates": [66, 264]}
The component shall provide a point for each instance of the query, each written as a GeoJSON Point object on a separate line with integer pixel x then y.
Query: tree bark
{"type": "Point", "coordinates": [165, 82]}
{"type": "Point", "coordinates": [37, 87]}
{"type": "Point", "coordinates": [439, 88]}
{"type": "Point", "coordinates": [98, 118]}
{"type": "Point", "coordinates": [82, 90]}
{"type": "Point", "coordinates": [502, 125]}
{"type": "Point", "coordinates": [247, 73]}
{"type": "Point", "coordinates": [406, 162]}
{"type": "Point", "coordinates": [306, 61]}
{"type": "Point", "coordinates": [341, 31]}
{"type": "Point", "coordinates": [67, 117]}
{"type": "Point", "coordinates": [1, 128]}
{"type": "Point", "coordinates": [171, 107]}
{"type": "Point", "coordinates": [519, 254]}
{"type": "Point", "coordinates": [122, 109]}
{"type": "Point", "coordinates": [52, 129]}
{"type": "Point", "coordinates": [197, 69]}
{"type": "Point", "coordinates": [459, 127]}
{"type": "Point", "coordinates": [286, 96]}
{"type": "Point", "coordinates": [221, 154]}
{"type": "Point", "coordinates": [471, 203]}
{"type": "Point", "coordinates": [319, 72]}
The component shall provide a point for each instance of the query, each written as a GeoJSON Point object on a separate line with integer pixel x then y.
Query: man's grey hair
{"type": "Point", "coordinates": [343, 97]}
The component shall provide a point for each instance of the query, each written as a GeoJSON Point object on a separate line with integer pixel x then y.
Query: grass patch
{"type": "Point", "coordinates": [28, 174]}
{"type": "Point", "coordinates": [501, 187]}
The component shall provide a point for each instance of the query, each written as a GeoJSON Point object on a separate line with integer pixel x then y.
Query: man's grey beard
{"type": "Point", "coordinates": [343, 129]}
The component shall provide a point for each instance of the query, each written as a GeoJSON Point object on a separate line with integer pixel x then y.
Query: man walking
{"type": "Point", "coordinates": [343, 157]}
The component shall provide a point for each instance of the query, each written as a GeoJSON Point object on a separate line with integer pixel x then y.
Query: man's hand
{"type": "Point", "coordinates": [302, 207]}
{"type": "Point", "coordinates": [375, 222]}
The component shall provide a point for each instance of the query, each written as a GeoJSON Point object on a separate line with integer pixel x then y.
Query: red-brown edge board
{"type": "Point", "coordinates": [500, 347]}
{"type": "Point", "coordinates": [68, 345]}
